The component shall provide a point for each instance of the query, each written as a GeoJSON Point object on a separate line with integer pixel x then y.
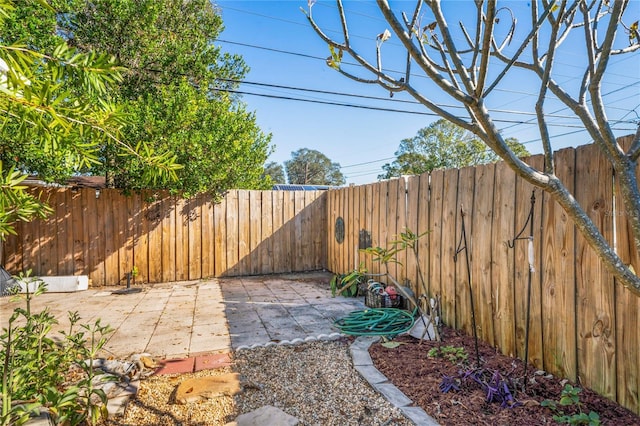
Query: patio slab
{"type": "Point", "coordinates": [172, 320]}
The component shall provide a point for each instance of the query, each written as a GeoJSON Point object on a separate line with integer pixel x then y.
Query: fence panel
{"type": "Point", "coordinates": [596, 317]}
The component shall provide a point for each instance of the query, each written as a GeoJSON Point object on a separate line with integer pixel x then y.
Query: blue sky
{"type": "Point", "coordinates": [282, 50]}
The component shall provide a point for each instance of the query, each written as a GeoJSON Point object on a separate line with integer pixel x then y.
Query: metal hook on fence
{"type": "Point", "coordinates": [531, 270]}
{"type": "Point", "coordinates": [460, 248]}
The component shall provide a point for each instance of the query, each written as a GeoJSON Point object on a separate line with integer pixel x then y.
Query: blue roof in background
{"type": "Point", "coordinates": [288, 187]}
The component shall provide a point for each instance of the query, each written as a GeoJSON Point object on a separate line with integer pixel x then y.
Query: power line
{"type": "Point", "coordinates": [373, 108]}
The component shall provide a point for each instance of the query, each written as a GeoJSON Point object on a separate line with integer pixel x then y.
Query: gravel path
{"type": "Point", "coordinates": [315, 382]}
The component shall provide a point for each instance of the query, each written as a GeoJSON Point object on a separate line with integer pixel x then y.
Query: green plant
{"type": "Point", "coordinates": [570, 398]}
{"type": "Point", "coordinates": [34, 367]}
{"type": "Point", "coordinates": [454, 354]}
{"type": "Point", "coordinates": [347, 284]}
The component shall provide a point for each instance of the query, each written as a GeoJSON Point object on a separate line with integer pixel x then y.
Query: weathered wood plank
{"type": "Point", "coordinates": [502, 259]}
{"type": "Point", "coordinates": [596, 295]}
{"type": "Point", "coordinates": [296, 235]}
{"type": "Point", "coordinates": [169, 239]}
{"type": "Point", "coordinates": [466, 182]}
{"type": "Point", "coordinates": [482, 225]}
{"type": "Point", "coordinates": [244, 233]}
{"type": "Point", "coordinates": [424, 248]}
{"type": "Point", "coordinates": [370, 206]}
{"type": "Point", "coordinates": [154, 223]}
{"type": "Point", "coordinates": [111, 261]}
{"type": "Point", "coordinates": [266, 245]}
{"type": "Point", "coordinates": [208, 238]}
{"type": "Point", "coordinates": [255, 230]}
{"type": "Point", "coordinates": [627, 309]}
{"type": "Point", "coordinates": [220, 233]}
{"type": "Point", "coordinates": [64, 232]}
{"type": "Point", "coordinates": [558, 278]}
{"type": "Point", "coordinates": [232, 232]}
{"type": "Point", "coordinates": [434, 213]}
{"type": "Point", "coordinates": [391, 224]}
{"type": "Point", "coordinates": [289, 200]}
{"type": "Point", "coordinates": [400, 227]}
{"type": "Point", "coordinates": [413, 197]}
{"type": "Point", "coordinates": [450, 217]}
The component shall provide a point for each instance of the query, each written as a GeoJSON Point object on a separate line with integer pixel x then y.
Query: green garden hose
{"type": "Point", "coordinates": [388, 322]}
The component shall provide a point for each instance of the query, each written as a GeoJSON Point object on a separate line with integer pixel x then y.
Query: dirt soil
{"type": "Point", "coordinates": [419, 376]}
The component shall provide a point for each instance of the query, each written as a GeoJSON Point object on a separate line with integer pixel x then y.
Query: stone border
{"type": "Point", "coordinates": [297, 341]}
{"type": "Point", "coordinates": [362, 362]}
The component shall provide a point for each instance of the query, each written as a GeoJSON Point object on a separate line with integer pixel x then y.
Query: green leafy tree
{"type": "Point", "coordinates": [465, 63]}
{"type": "Point", "coordinates": [311, 167]}
{"type": "Point", "coordinates": [175, 92]}
{"type": "Point", "coordinates": [57, 104]}
{"type": "Point", "coordinates": [443, 145]}
{"type": "Point", "coordinates": [275, 171]}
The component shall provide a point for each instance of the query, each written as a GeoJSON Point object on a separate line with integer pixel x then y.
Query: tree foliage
{"type": "Point", "coordinates": [174, 92]}
{"type": "Point", "coordinates": [163, 51]}
{"type": "Point", "coordinates": [311, 167]}
{"type": "Point", "coordinates": [57, 104]}
{"type": "Point", "coordinates": [275, 171]}
{"type": "Point", "coordinates": [467, 62]}
{"type": "Point", "coordinates": [442, 145]}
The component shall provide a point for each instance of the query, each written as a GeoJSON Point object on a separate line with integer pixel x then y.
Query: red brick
{"type": "Point", "coordinates": [212, 361]}
{"type": "Point", "coordinates": [176, 366]}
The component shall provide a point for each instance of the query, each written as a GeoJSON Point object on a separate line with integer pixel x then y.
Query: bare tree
{"type": "Point", "coordinates": [461, 70]}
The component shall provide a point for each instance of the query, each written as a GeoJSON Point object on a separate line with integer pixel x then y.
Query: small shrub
{"type": "Point", "coordinates": [570, 398]}
{"type": "Point", "coordinates": [34, 367]}
{"type": "Point", "coordinates": [454, 354]}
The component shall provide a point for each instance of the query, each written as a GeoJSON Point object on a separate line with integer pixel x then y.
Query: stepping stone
{"type": "Point", "coordinates": [211, 362]}
{"type": "Point", "coordinates": [176, 366]}
{"type": "Point", "coordinates": [267, 415]}
{"type": "Point", "coordinates": [197, 389]}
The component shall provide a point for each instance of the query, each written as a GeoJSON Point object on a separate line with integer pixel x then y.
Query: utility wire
{"type": "Point", "coordinates": [373, 108]}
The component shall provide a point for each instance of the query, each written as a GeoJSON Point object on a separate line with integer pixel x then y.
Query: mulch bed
{"type": "Point", "coordinates": [419, 376]}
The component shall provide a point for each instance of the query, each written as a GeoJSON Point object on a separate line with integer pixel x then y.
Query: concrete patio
{"type": "Point", "coordinates": [176, 320]}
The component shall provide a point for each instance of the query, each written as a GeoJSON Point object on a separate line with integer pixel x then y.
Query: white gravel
{"type": "Point", "coordinates": [313, 381]}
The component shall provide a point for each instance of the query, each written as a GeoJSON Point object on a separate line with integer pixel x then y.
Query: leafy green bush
{"type": "Point", "coordinates": [34, 367]}
{"type": "Point", "coordinates": [570, 398]}
{"type": "Point", "coordinates": [454, 354]}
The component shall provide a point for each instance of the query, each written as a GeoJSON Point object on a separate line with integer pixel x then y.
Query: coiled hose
{"type": "Point", "coordinates": [388, 322]}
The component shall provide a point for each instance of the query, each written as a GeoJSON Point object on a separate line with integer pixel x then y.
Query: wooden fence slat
{"type": "Point", "coordinates": [596, 317]}
{"type": "Point", "coordinates": [208, 244]}
{"type": "Point", "coordinates": [154, 231]}
{"type": "Point", "coordinates": [169, 240]}
{"type": "Point", "coordinates": [255, 230]}
{"type": "Point", "coordinates": [232, 231]}
{"type": "Point", "coordinates": [413, 194]}
{"type": "Point", "coordinates": [400, 226]}
{"type": "Point", "coordinates": [289, 228]}
{"type": "Point", "coordinates": [482, 221]}
{"type": "Point", "coordinates": [391, 216]}
{"type": "Point", "coordinates": [266, 247]}
{"type": "Point", "coordinates": [244, 233]}
{"type": "Point", "coordinates": [111, 261]}
{"type": "Point", "coordinates": [47, 241]}
{"type": "Point", "coordinates": [502, 259]}
{"type": "Point", "coordinates": [370, 206]}
{"type": "Point", "coordinates": [127, 258]}
{"type": "Point", "coordinates": [279, 255]}
{"type": "Point", "coordinates": [296, 242]}
{"type": "Point", "coordinates": [434, 238]}
{"type": "Point", "coordinates": [627, 308]}
{"type": "Point", "coordinates": [424, 224]}
{"type": "Point", "coordinates": [64, 232]}
{"type": "Point", "coordinates": [558, 278]}
{"type": "Point", "coordinates": [315, 226]}
{"type": "Point", "coordinates": [220, 235]}
{"type": "Point", "coordinates": [450, 217]}
{"type": "Point", "coordinates": [466, 183]}
{"type": "Point", "coordinates": [349, 222]}
{"type": "Point", "coordinates": [521, 268]}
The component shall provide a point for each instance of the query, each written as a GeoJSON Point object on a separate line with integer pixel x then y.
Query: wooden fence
{"type": "Point", "coordinates": [167, 238]}
{"type": "Point", "coordinates": [583, 324]}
